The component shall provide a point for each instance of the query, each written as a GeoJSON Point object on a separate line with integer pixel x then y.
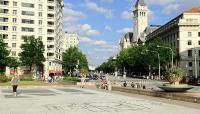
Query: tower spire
{"type": "Point", "coordinates": [140, 2]}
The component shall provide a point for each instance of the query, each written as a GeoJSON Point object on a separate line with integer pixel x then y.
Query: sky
{"type": "Point", "coordinates": [100, 24]}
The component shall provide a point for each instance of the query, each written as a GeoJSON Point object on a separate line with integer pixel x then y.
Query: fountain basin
{"type": "Point", "coordinates": [175, 88]}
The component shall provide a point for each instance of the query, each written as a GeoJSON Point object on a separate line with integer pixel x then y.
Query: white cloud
{"type": "Point", "coordinates": [126, 15]}
{"type": "Point", "coordinates": [107, 1]}
{"type": "Point", "coordinates": [170, 9]}
{"type": "Point", "coordinates": [81, 29]}
{"type": "Point", "coordinates": [70, 15]}
{"type": "Point", "coordinates": [92, 42]}
{"type": "Point", "coordinates": [125, 30]}
{"type": "Point", "coordinates": [93, 6]}
{"type": "Point", "coordinates": [151, 14]}
{"type": "Point", "coordinates": [160, 2]}
{"type": "Point", "coordinates": [108, 28]}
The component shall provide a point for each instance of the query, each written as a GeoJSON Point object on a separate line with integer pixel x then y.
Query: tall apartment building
{"type": "Point", "coordinates": [41, 18]}
{"type": "Point", "coordinates": [69, 40]}
{"type": "Point", "coordinates": [183, 33]}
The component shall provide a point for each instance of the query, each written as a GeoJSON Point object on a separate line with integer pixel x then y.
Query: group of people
{"type": "Point", "coordinates": [134, 85]}
{"type": "Point", "coordinates": [105, 84]}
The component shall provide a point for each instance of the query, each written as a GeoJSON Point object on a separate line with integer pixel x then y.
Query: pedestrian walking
{"type": "Point", "coordinates": [14, 82]}
{"type": "Point", "coordinates": [82, 81]}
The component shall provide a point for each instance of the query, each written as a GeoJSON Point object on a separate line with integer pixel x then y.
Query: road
{"type": "Point", "coordinates": [73, 100]}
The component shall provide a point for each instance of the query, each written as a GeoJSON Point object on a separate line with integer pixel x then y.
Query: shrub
{"type": "Point", "coordinates": [174, 75]}
{"type": "Point", "coordinates": [4, 78]}
{"type": "Point", "coordinates": [26, 77]}
{"type": "Point", "coordinates": [71, 79]}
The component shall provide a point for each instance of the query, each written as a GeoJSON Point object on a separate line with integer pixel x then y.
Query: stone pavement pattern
{"type": "Point", "coordinates": [72, 100]}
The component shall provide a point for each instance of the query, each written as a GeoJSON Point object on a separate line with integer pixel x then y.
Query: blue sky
{"type": "Point", "coordinates": [101, 23]}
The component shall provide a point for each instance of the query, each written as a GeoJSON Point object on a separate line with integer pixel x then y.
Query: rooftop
{"type": "Point", "coordinates": [193, 10]}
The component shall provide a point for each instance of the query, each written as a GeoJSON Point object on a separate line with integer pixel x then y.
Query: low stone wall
{"type": "Point", "coordinates": [168, 95]}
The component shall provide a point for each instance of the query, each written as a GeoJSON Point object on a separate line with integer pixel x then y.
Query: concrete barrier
{"type": "Point", "coordinates": [168, 95]}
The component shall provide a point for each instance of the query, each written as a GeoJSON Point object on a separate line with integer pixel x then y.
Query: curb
{"type": "Point", "coordinates": [168, 95]}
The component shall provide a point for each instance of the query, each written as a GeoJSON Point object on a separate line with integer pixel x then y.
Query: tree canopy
{"type": "Point", "coordinates": [138, 58]}
{"type": "Point", "coordinates": [32, 52]}
{"type": "Point", "coordinates": [72, 57]}
{"type": "Point", "coordinates": [4, 53]}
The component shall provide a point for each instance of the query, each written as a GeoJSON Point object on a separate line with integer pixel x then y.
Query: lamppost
{"type": "Point", "coordinates": [77, 70]}
{"type": "Point", "coordinates": [170, 50]}
{"type": "Point", "coordinates": [158, 61]}
{"type": "Point", "coordinates": [195, 57]}
{"type": "Point", "coordinates": [115, 58]}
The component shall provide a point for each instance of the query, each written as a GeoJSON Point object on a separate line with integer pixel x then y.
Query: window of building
{"type": "Point", "coordinates": [190, 64]}
{"type": "Point", "coordinates": [5, 11]}
{"type": "Point", "coordinates": [190, 72]}
{"type": "Point", "coordinates": [189, 53]}
{"type": "Point", "coordinates": [40, 38]}
{"type": "Point", "coordinates": [40, 14]}
{"type": "Point", "coordinates": [40, 22]}
{"type": "Point", "coordinates": [5, 36]}
{"type": "Point", "coordinates": [14, 3]}
{"type": "Point", "coordinates": [4, 2]}
{"type": "Point", "coordinates": [28, 5]}
{"type": "Point", "coordinates": [189, 34]}
{"type": "Point", "coordinates": [13, 53]}
{"type": "Point", "coordinates": [14, 28]}
{"type": "Point", "coordinates": [13, 45]}
{"type": "Point", "coordinates": [14, 12]}
{"type": "Point", "coordinates": [199, 53]}
{"type": "Point", "coordinates": [40, 30]}
{"type": "Point", "coordinates": [14, 37]}
{"type": "Point", "coordinates": [28, 13]}
{"type": "Point", "coordinates": [199, 34]}
{"type": "Point", "coordinates": [6, 44]}
{"type": "Point", "coordinates": [3, 27]}
{"type": "Point", "coordinates": [3, 19]}
{"type": "Point", "coordinates": [28, 21]}
{"type": "Point", "coordinates": [26, 29]}
{"type": "Point", "coordinates": [14, 20]}
{"type": "Point", "coordinates": [189, 42]}
{"type": "Point", "coordinates": [40, 6]}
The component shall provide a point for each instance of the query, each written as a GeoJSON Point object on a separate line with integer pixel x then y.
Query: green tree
{"type": "Point", "coordinates": [32, 52]}
{"type": "Point", "coordinates": [137, 58]}
{"type": "Point", "coordinates": [72, 57]}
{"type": "Point", "coordinates": [4, 53]}
{"type": "Point", "coordinates": [12, 63]}
{"type": "Point", "coordinates": [109, 66]}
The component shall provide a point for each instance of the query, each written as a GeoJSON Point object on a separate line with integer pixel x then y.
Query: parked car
{"type": "Point", "coordinates": [191, 80]}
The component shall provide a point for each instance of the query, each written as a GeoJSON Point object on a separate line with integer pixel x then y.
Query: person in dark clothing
{"type": "Point", "coordinates": [124, 84]}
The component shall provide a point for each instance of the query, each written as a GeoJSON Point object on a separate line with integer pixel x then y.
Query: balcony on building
{"type": "Point", "coordinates": [50, 8]}
{"type": "Point", "coordinates": [50, 16]}
{"type": "Point", "coordinates": [50, 31]}
{"type": "Point", "coordinates": [5, 36]}
{"type": "Point", "coordinates": [50, 39]}
{"type": "Point", "coordinates": [4, 11]}
{"type": "Point", "coordinates": [50, 55]}
{"type": "Point", "coordinates": [50, 48]}
{"type": "Point", "coordinates": [51, 1]}
{"type": "Point", "coordinates": [3, 19]}
{"type": "Point", "coordinates": [2, 2]}
{"type": "Point", "coordinates": [50, 23]}
{"type": "Point", "coordinates": [3, 28]}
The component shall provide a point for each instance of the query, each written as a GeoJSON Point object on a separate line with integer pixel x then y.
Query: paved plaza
{"type": "Point", "coordinates": [72, 100]}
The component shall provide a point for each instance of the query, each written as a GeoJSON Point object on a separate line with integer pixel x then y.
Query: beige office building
{"type": "Point", "coordinates": [183, 33]}
{"type": "Point", "coordinates": [41, 18]}
{"type": "Point", "coordinates": [69, 40]}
